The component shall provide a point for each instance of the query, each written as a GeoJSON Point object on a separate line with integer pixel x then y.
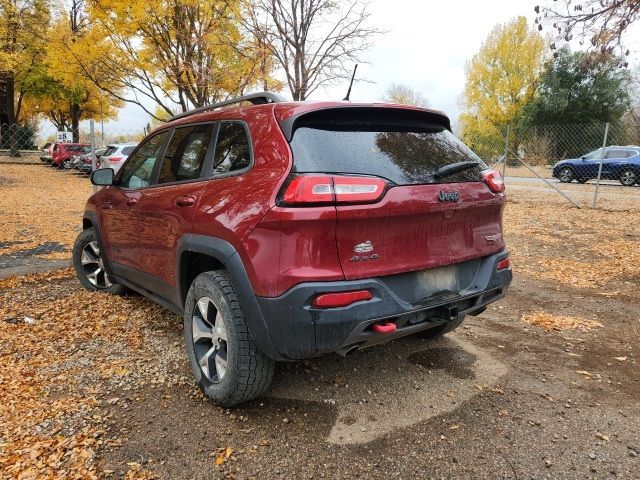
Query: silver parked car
{"type": "Point", "coordinates": [116, 154]}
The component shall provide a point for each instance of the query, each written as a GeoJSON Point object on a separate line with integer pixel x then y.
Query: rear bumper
{"type": "Point", "coordinates": [298, 330]}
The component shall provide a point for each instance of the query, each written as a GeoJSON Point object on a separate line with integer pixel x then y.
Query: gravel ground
{"type": "Point", "coordinates": [544, 384]}
{"type": "Point", "coordinates": [498, 398]}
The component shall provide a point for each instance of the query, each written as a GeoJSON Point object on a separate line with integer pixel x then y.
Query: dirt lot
{"type": "Point", "coordinates": [544, 384]}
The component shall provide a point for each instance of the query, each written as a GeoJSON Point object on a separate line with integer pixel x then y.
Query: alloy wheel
{"type": "Point", "coordinates": [209, 334]}
{"type": "Point", "coordinates": [628, 178]}
{"type": "Point", "coordinates": [93, 265]}
{"type": "Point", "coordinates": [565, 175]}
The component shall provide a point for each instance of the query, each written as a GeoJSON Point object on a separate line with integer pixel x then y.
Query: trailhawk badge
{"type": "Point", "coordinates": [493, 238]}
{"type": "Point", "coordinates": [364, 247]}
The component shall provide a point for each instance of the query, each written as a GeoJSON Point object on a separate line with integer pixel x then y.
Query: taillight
{"type": "Point", "coordinates": [115, 159]}
{"type": "Point", "coordinates": [341, 299]}
{"type": "Point", "coordinates": [494, 180]}
{"type": "Point", "coordinates": [333, 189]}
{"type": "Point", "coordinates": [503, 264]}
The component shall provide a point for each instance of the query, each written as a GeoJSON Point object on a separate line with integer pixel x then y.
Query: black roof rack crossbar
{"type": "Point", "coordinates": [254, 98]}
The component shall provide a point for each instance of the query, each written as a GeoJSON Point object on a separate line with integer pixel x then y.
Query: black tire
{"type": "Point", "coordinates": [628, 177]}
{"type": "Point", "coordinates": [90, 268]}
{"type": "Point", "coordinates": [247, 371]}
{"type": "Point", "coordinates": [440, 330]}
{"type": "Point", "coordinates": [566, 174]}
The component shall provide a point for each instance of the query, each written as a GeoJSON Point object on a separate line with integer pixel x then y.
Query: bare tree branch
{"type": "Point", "coordinates": [600, 23]}
{"type": "Point", "coordinates": [315, 42]}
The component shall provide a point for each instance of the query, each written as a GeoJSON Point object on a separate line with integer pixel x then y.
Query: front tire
{"type": "Point", "coordinates": [88, 263]}
{"type": "Point", "coordinates": [225, 359]}
{"type": "Point", "coordinates": [566, 175]}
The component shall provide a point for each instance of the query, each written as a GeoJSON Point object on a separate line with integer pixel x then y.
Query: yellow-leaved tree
{"type": "Point", "coordinates": [23, 25]}
{"type": "Point", "coordinates": [67, 95]}
{"type": "Point", "coordinates": [168, 56]}
{"type": "Point", "coordinates": [501, 79]}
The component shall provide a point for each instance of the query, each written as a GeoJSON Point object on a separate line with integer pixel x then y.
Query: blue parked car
{"type": "Point", "coordinates": [619, 163]}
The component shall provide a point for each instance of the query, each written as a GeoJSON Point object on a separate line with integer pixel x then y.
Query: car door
{"type": "Point", "coordinates": [165, 211]}
{"type": "Point", "coordinates": [614, 161]}
{"type": "Point", "coordinates": [119, 219]}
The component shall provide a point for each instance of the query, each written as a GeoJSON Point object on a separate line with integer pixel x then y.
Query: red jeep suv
{"type": "Point", "coordinates": [62, 152]}
{"type": "Point", "coordinates": [282, 231]}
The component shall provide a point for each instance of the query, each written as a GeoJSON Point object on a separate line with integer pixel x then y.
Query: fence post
{"type": "Point", "coordinates": [604, 145]}
{"type": "Point", "coordinates": [92, 140]}
{"type": "Point", "coordinates": [506, 153]}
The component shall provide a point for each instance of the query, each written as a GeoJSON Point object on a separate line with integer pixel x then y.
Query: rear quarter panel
{"type": "Point", "coordinates": [230, 207]}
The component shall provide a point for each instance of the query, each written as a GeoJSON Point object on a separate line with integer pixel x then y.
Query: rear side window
{"type": "Point", "coordinates": [403, 154]}
{"type": "Point", "coordinates": [616, 154]}
{"type": "Point", "coordinates": [128, 150]}
{"type": "Point", "coordinates": [185, 154]}
{"type": "Point", "coordinates": [233, 151]}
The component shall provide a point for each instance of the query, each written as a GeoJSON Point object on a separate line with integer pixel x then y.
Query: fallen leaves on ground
{"type": "Point", "coordinates": [549, 322]}
{"type": "Point", "coordinates": [60, 371]}
{"type": "Point", "coordinates": [40, 205]}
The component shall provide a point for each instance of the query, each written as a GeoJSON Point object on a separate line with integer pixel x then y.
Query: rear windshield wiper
{"type": "Point", "coordinates": [454, 168]}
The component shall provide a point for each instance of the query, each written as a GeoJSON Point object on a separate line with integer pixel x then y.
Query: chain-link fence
{"type": "Point", "coordinates": [44, 184]}
{"type": "Point", "coordinates": [588, 165]}
{"type": "Point", "coordinates": [31, 143]}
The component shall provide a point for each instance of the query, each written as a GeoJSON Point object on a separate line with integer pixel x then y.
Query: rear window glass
{"type": "Point", "coordinates": [78, 148]}
{"type": "Point", "coordinates": [403, 155]}
{"type": "Point", "coordinates": [109, 151]}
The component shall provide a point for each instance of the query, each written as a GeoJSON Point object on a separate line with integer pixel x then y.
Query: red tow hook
{"type": "Point", "coordinates": [386, 327]}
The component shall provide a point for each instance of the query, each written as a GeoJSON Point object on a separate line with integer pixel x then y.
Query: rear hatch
{"type": "Point", "coordinates": [398, 208]}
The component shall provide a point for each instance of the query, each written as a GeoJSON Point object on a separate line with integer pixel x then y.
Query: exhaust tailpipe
{"type": "Point", "coordinates": [346, 351]}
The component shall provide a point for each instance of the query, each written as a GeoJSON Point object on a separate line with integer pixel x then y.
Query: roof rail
{"type": "Point", "coordinates": [254, 98]}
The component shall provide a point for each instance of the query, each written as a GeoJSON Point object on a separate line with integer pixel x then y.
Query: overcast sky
{"type": "Point", "coordinates": [426, 47]}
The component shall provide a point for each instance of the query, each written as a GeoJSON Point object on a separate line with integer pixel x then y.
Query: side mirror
{"type": "Point", "coordinates": [102, 177]}
{"type": "Point", "coordinates": [583, 158]}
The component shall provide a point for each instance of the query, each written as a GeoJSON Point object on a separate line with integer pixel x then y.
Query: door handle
{"type": "Point", "coordinates": [185, 201]}
{"type": "Point", "coordinates": [132, 201]}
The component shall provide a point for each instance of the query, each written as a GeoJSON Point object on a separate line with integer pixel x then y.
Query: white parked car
{"type": "Point", "coordinates": [115, 155]}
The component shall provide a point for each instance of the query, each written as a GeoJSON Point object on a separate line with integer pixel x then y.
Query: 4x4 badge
{"type": "Point", "coordinates": [364, 247]}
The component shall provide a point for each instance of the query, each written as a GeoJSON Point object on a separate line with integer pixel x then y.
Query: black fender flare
{"type": "Point", "coordinates": [226, 254]}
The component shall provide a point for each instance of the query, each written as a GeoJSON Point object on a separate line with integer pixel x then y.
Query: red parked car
{"type": "Point", "coordinates": [62, 152]}
{"type": "Point", "coordinates": [282, 231]}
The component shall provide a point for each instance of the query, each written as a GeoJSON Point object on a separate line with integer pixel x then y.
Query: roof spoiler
{"type": "Point", "coordinates": [370, 115]}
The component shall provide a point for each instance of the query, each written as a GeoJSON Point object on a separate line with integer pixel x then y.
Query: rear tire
{"type": "Point", "coordinates": [628, 178]}
{"type": "Point", "coordinates": [225, 359]}
{"type": "Point", "coordinates": [89, 266]}
{"type": "Point", "coordinates": [440, 330]}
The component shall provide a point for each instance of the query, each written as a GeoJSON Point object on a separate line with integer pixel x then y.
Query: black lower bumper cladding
{"type": "Point", "coordinates": [411, 301]}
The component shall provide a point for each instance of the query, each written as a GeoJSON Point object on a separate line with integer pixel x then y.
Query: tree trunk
{"type": "Point", "coordinates": [75, 122]}
{"type": "Point", "coordinates": [13, 129]}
